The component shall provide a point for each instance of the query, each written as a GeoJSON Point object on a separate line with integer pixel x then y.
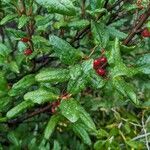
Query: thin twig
{"type": "Point", "coordinates": [30, 115]}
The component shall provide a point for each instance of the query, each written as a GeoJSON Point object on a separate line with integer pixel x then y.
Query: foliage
{"type": "Point", "coordinates": [74, 74]}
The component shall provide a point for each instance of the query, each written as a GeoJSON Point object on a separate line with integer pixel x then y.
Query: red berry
{"type": "Point", "coordinates": [28, 52]}
{"type": "Point", "coordinates": [25, 39]}
{"type": "Point", "coordinates": [101, 72]}
{"type": "Point", "coordinates": [99, 62]}
{"type": "Point", "coordinates": [103, 60]}
{"type": "Point", "coordinates": [145, 33]}
{"type": "Point", "coordinates": [96, 63]}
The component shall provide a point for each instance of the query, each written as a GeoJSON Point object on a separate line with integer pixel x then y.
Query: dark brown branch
{"type": "Point", "coordinates": [137, 27]}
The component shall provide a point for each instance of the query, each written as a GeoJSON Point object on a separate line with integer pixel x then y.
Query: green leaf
{"type": "Point", "coordinates": [77, 85]}
{"type": "Point", "coordinates": [56, 145]}
{"type": "Point", "coordinates": [79, 75]}
{"type": "Point", "coordinates": [40, 96]}
{"type": "Point", "coordinates": [95, 80]}
{"type": "Point", "coordinates": [64, 7]}
{"type": "Point", "coordinates": [65, 51]}
{"type": "Point", "coordinates": [82, 133]}
{"type": "Point", "coordinates": [15, 33]}
{"type": "Point", "coordinates": [100, 34]}
{"type": "Point", "coordinates": [69, 109]}
{"type": "Point", "coordinates": [23, 20]}
{"type": "Point", "coordinates": [7, 18]}
{"type": "Point", "coordinates": [14, 67]}
{"type": "Point", "coordinates": [78, 24]}
{"type": "Point", "coordinates": [3, 82]}
{"type": "Point", "coordinates": [39, 40]}
{"type": "Point", "coordinates": [143, 60]}
{"type": "Point", "coordinates": [51, 126]}
{"type": "Point", "coordinates": [53, 75]}
{"type": "Point", "coordinates": [77, 81]}
{"type": "Point", "coordinates": [12, 137]}
{"type": "Point", "coordinates": [96, 4]}
{"type": "Point", "coordinates": [144, 64]}
{"type": "Point", "coordinates": [145, 69]}
{"type": "Point", "coordinates": [5, 103]}
{"type": "Point", "coordinates": [119, 22]}
{"type": "Point", "coordinates": [101, 133]}
{"type": "Point", "coordinates": [86, 119]}
{"type": "Point", "coordinates": [99, 144]}
{"type": "Point", "coordinates": [127, 49]}
{"type": "Point", "coordinates": [115, 55]}
{"type": "Point", "coordinates": [22, 85]}
{"type": "Point", "coordinates": [116, 33]}
{"type": "Point", "coordinates": [4, 50]}
{"type": "Point", "coordinates": [125, 88]}
{"type": "Point", "coordinates": [87, 66]}
{"type": "Point", "coordinates": [19, 109]}
{"type": "Point", "coordinates": [122, 70]}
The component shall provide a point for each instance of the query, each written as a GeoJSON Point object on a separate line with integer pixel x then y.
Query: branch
{"type": "Point", "coordinates": [137, 27]}
{"type": "Point", "coordinates": [30, 115]}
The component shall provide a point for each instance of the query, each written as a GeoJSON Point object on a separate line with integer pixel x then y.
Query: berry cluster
{"type": "Point", "coordinates": [99, 65]}
{"type": "Point", "coordinates": [145, 32]}
{"type": "Point", "coordinates": [28, 51]}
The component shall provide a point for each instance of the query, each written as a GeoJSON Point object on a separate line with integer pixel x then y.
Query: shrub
{"type": "Point", "coordinates": [74, 74]}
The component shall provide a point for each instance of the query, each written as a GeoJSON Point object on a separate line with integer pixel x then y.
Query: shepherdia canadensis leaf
{"type": "Point", "coordinates": [82, 133]}
{"type": "Point", "coordinates": [22, 85]}
{"type": "Point", "coordinates": [95, 81]}
{"type": "Point", "coordinates": [5, 104]}
{"type": "Point", "coordinates": [69, 109]}
{"type": "Point", "coordinates": [67, 54]}
{"type": "Point", "coordinates": [115, 55]}
{"type": "Point", "coordinates": [3, 81]}
{"type": "Point", "coordinates": [53, 75]}
{"type": "Point", "coordinates": [18, 109]}
{"type": "Point", "coordinates": [143, 64]}
{"type": "Point", "coordinates": [23, 20]}
{"type": "Point", "coordinates": [86, 119]}
{"type": "Point", "coordinates": [72, 110]}
{"type": "Point", "coordinates": [125, 88]}
{"type": "Point", "coordinates": [122, 70]}
{"type": "Point", "coordinates": [40, 96]}
{"type": "Point", "coordinates": [79, 75]}
{"type": "Point", "coordinates": [51, 126]}
{"type": "Point", "coordinates": [14, 67]}
{"type": "Point", "coordinates": [7, 18]}
{"type": "Point", "coordinates": [4, 50]}
{"type": "Point", "coordinates": [116, 33]}
{"type": "Point", "coordinates": [64, 7]}
{"type": "Point", "coordinates": [100, 34]}
{"type": "Point", "coordinates": [56, 145]}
